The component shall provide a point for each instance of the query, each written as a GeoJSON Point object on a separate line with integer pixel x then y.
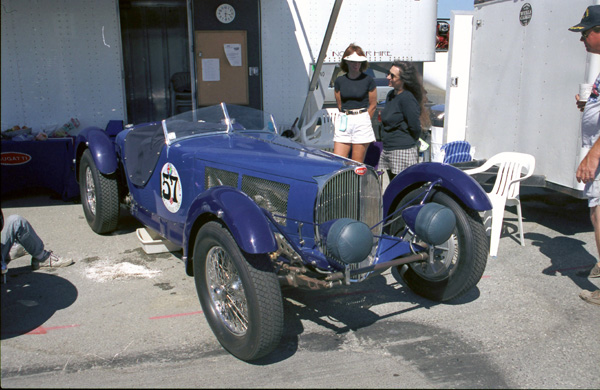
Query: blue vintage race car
{"type": "Point", "coordinates": [253, 210]}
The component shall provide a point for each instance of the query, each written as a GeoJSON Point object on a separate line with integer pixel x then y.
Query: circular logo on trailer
{"type": "Point", "coordinates": [360, 170]}
{"type": "Point", "coordinates": [170, 187]}
{"type": "Point", "coordinates": [525, 14]}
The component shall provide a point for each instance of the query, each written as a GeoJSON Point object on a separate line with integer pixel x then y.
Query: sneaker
{"type": "Point", "coordinates": [52, 261]}
{"type": "Point", "coordinates": [590, 297]}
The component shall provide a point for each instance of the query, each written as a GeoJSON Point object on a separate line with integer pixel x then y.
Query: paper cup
{"type": "Point", "coordinates": [584, 92]}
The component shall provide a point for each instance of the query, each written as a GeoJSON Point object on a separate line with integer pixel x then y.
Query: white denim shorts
{"type": "Point", "coordinates": [358, 129]}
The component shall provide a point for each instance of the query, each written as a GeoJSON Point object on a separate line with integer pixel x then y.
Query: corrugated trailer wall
{"type": "Point", "coordinates": [61, 59]}
{"type": "Point", "coordinates": [524, 76]}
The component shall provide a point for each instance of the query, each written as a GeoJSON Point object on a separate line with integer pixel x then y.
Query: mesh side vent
{"type": "Point", "coordinates": [270, 195]}
{"type": "Point", "coordinates": [214, 177]}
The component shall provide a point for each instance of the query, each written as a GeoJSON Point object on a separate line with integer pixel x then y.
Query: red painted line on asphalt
{"type": "Point", "coordinates": [485, 276]}
{"type": "Point", "coordinates": [175, 315]}
{"type": "Point", "coordinates": [44, 330]}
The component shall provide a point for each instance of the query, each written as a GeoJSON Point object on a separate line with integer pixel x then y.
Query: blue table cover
{"type": "Point", "coordinates": [46, 164]}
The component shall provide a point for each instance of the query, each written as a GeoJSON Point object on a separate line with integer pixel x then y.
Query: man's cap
{"type": "Point", "coordinates": [355, 57]}
{"type": "Point", "coordinates": [591, 18]}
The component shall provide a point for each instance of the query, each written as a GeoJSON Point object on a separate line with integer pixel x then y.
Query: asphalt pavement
{"type": "Point", "coordinates": [121, 318]}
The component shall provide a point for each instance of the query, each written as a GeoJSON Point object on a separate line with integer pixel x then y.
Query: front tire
{"type": "Point", "coordinates": [99, 196]}
{"type": "Point", "coordinates": [241, 301]}
{"type": "Point", "coordinates": [456, 266]}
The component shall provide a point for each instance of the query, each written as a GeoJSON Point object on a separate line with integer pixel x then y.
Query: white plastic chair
{"type": "Point", "coordinates": [506, 190]}
{"type": "Point", "coordinates": [320, 136]}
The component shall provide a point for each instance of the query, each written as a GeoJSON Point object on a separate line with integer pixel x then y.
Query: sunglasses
{"type": "Point", "coordinates": [392, 76]}
{"type": "Point", "coordinates": [586, 33]}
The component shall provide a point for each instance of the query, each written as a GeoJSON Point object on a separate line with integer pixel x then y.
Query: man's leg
{"type": "Point", "coordinates": [594, 296]}
{"type": "Point", "coordinates": [595, 217]}
{"type": "Point", "coordinates": [18, 229]}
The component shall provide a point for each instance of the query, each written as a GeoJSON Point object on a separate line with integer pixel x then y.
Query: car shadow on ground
{"type": "Point", "coordinates": [127, 223]}
{"type": "Point", "coordinates": [29, 299]}
{"type": "Point", "coordinates": [343, 310]}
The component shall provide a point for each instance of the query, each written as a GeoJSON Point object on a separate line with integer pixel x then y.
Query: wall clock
{"type": "Point", "coordinates": [225, 13]}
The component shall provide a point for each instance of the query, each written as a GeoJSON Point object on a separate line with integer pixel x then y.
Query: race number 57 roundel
{"type": "Point", "coordinates": [170, 187]}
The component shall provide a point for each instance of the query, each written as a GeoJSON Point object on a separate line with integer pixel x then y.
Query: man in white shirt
{"type": "Point", "coordinates": [588, 171]}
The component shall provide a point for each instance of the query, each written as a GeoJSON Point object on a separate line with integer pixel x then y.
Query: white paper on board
{"type": "Point", "coordinates": [233, 51]}
{"type": "Point", "coordinates": [210, 69]}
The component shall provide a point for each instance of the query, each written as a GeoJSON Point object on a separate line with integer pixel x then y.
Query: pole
{"type": "Point", "coordinates": [322, 54]}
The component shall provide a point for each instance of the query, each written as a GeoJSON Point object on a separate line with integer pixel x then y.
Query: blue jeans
{"type": "Point", "coordinates": [18, 229]}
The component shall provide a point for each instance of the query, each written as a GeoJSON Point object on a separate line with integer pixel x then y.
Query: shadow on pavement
{"type": "Point", "coordinates": [342, 310]}
{"type": "Point", "coordinates": [566, 215]}
{"type": "Point", "coordinates": [29, 299]}
{"type": "Point", "coordinates": [557, 211]}
{"type": "Point", "coordinates": [35, 197]}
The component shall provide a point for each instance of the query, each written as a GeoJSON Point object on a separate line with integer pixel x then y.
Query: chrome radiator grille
{"type": "Point", "coordinates": [349, 195]}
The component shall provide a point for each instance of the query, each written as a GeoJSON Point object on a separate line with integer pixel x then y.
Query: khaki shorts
{"type": "Point", "coordinates": [358, 129]}
{"type": "Point", "coordinates": [592, 192]}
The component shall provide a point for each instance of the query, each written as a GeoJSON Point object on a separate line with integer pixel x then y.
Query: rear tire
{"type": "Point", "coordinates": [99, 196]}
{"type": "Point", "coordinates": [241, 301]}
{"type": "Point", "coordinates": [455, 266]}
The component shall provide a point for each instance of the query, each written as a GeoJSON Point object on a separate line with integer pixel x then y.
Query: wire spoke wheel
{"type": "Point", "coordinates": [90, 190]}
{"type": "Point", "coordinates": [241, 299]}
{"type": "Point", "coordinates": [227, 291]}
{"type": "Point", "coordinates": [442, 261]}
{"type": "Point", "coordinates": [99, 196]}
{"type": "Point", "coordinates": [455, 266]}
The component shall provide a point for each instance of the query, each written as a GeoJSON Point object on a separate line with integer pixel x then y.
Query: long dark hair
{"type": "Point", "coordinates": [413, 82]}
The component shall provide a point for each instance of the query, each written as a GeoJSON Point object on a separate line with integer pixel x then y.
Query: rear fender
{"type": "Point", "coordinates": [463, 186]}
{"type": "Point", "coordinates": [246, 221]}
{"type": "Point", "coordinates": [101, 147]}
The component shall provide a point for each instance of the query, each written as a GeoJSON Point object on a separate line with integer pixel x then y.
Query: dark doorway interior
{"type": "Point", "coordinates": [155, 47]}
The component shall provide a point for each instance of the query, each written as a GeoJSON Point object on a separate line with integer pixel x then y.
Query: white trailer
{"type": "Point", "coordinates": [64, 58]}
{"type": "Point", "coordinates": [513, 72]}
{"type": "Point", "coordinates": [61, 60]}
{"type": "Point", "coordinates": [385, 29]}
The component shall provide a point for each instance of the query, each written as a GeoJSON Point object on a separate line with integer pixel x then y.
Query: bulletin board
{"type": "Point", "coordinates": [221, 67]}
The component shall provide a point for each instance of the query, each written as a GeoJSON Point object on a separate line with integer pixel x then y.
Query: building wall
{"type": "Point", "coordinates": [60, 59]}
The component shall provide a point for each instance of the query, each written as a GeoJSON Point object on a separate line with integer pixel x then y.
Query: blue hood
{"type": "Point", "coordinates": [264, 152]}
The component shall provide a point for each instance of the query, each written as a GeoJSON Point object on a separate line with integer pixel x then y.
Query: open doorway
{"type": "Point", "coordinates": [155, 48]}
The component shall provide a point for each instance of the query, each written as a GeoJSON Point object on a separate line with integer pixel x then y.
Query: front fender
{"type": "Point", "coordinates": [450, 178]}
{"type": "Point", "coordinates": [101, 147]}
{"type": "Point", "coordinates": [245, 220]}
